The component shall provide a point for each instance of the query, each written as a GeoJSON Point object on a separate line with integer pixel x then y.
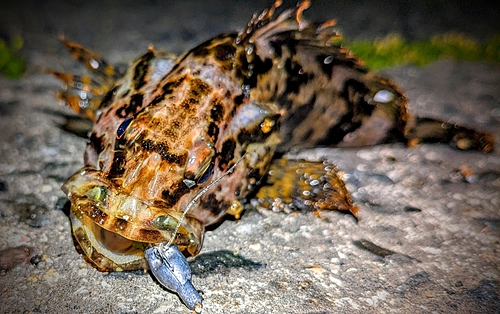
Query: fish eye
{"type": "Point", "coordinates": [201, 176]}
{"type": "Point", "coordinates": [200, 165]}
{"type": "Point", "coordinates": [123, 127]}
{"type": "Point", "coordinates": [207, 173]}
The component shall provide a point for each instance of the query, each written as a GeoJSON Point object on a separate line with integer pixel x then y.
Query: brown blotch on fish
{"type": "Point", "coordinates": [211, 203]}
{"type": "Point", "coordinates": [353, 92]}
{"type": "Point", "coordinates": [254, 176]}
{"type": "Point", "coordinates": [259, 67]}
{"type": "Point", "coordinates": [97, 215]}
{"type": "Point", "coordinates": [97, 142]}
{"type": "Point", "coordinates": [108, 97]}
{"type": "Point", "coordinates": [213, 131]}
{"type": "Point", "coordinates": [179, 159]}
{"type": "Point", "coordinates": [163, 150]}
{"type": "Point", "coordinates": [217, 111]}
{"type": "Point", "coordinates": [120, 224]}
{"type": "Point", "coordinates": [201, 87]}
{"type": "Point", "coordinates": [238, 100]}
{"type": "Point", "coordinates": [167, 89]}
{"type": "Point", "coordinates": [148, 235]}
{"type": "Point", "coordinates": [118, 166]}
{"type": "Point", "coordinates": [170, 86]}
{"type": "Point", "coordinates": [227, 153]}
{"type": "Point", "coordinates": [202, 51]}
{"type": "Point", "coordinates": [141, 69]}
{"type": "Point", "coordinates": [172, 195]}
{"type": "Point", "coordinates": [189, 104]}
{"type": "Point", "coordinates": [224, 51]}
{"type": "Point", "coordinates": [190, 175]}
{"type": "Point", "coordinates": [135, 104]}
{"type": "Point", "coordinates": [254, 135]}
{"type": "Point", "coordinates": [296, 79]}
{"type": "Point", "coordinates": [176, 124]}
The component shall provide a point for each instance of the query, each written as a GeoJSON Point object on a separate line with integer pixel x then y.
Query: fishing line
{"type": "Point", "coordinates": [195, 199]}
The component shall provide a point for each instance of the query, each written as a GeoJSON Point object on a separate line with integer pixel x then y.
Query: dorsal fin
{"type": "Point", "coordinates": [84, 93]}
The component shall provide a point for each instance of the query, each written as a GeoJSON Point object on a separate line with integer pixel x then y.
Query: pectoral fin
{"type": "Point", "coordinates": [305, 185]}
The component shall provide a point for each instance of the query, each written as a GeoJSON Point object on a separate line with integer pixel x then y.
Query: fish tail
{"type": "Point", "coordinates": [429, 130]}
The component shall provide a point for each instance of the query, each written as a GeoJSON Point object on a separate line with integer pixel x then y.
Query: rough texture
{"type": "Point", "coordinates": [428, 239]}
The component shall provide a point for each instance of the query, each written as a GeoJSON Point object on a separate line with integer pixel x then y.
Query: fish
{"type": "Point", "coordinates": [178, 142]}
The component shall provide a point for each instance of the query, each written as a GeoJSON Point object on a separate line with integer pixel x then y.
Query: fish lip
{"type": "Point", "coordinates": [92, 194]}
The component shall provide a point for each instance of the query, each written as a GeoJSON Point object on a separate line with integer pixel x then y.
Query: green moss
{"type": "Point", "coordinates": [11, 64]}
{"type": "Point", "coordinates": [394, 50]}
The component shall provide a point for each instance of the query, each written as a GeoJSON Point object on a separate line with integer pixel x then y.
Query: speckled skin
{"type": "Point", "coordinates": [170, 126]}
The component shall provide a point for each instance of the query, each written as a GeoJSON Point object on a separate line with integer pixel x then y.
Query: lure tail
{"type": "Point", "coordinates": [84, 93]}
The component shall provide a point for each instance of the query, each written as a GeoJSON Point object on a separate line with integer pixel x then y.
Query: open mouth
{"type": "Point", "coordinates": [111, 224]}
{"type": "Point", "coordinates": [106, 250]}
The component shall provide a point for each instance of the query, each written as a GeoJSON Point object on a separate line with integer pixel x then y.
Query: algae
{"type": "Point", "coordinates": [12, 65]}
{"type": "Point", "coordinates": [394, 50]}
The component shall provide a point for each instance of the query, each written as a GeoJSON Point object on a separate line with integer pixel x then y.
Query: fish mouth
{"type": "Point", "coordinates": [105, 250]}
{"type": "Point", "coordinates": [109, 223]}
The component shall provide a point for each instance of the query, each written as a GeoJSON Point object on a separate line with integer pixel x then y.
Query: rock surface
{"type": "Point", "coordinates": [428, 238]}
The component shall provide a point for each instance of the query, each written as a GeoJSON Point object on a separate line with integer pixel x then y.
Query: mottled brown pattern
{"type": "Point", "coordinates": [142, 69]}
{"type": "Point", "coordinates": [236, 99]}
{"type": "Point", "coordinates": [172, 195]}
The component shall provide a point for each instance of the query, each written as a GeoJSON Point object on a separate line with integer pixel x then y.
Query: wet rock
{"type": "Point", "coordinates": [13, 256]}
{"type": "Point", "coordinates": [412, 283]}
{"type": "Point", "coordinates": [33, 214]}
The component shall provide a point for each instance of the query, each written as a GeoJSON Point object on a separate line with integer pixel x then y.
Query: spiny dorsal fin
{"type": "Point", "coordinates": [84, 93]}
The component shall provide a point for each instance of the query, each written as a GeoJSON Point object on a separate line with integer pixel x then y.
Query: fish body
{"type": "Point", "coordinates": [207, 125]}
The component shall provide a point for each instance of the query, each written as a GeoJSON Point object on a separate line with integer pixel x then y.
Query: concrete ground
{"type": "Point", "coordinates": [428, 238]}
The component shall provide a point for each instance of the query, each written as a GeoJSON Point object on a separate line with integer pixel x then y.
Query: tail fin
{"type": "Point", "coordinates": [428, 130]}
{"type": "Point", "coordinates": [84, 93]}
